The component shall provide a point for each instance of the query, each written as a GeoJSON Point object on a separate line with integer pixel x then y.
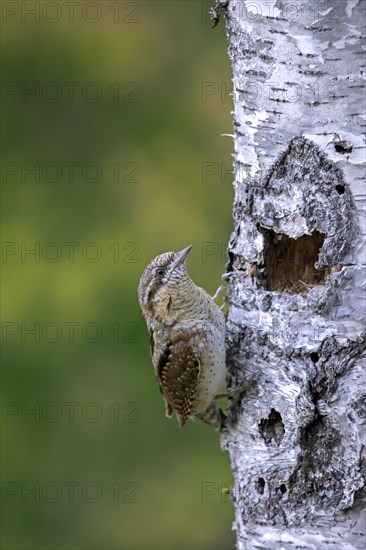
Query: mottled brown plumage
{"type": "Point", "coordinates": [187, 333]}
{"type": "Point", "coordinates": [178, 372]}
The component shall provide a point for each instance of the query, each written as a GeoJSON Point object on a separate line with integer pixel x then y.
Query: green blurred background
{"type": "Point", "coordinates": [107, 470]}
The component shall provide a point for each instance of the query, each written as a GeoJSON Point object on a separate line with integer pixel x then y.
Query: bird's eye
{"type": "Point", "coordinates": [160, 272]}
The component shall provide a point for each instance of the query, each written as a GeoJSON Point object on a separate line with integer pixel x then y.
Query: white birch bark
{"type": "Point", "coordinates": [296, 275]}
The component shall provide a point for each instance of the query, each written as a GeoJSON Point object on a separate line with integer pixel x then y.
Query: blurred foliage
{"type": "Point", "coordinates": [150, 63]}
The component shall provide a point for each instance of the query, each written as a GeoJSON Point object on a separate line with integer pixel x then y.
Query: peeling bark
{"type": "Point", "coordinates": [296, 274]}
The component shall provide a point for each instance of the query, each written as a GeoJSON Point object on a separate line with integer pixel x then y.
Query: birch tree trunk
{"type": "Point", "coordinates": [296, 274]}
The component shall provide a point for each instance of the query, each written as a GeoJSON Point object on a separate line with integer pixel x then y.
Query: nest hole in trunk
{"type": "Point", "coordinates": [290, 263]}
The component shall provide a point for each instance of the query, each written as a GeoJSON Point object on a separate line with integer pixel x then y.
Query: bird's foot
{"type": "Point", "coordinates": [217, 294]}
{"type": "Point", "coordinates": [213, 416]}
{"type": "Point", "coordinates": [236, 394]}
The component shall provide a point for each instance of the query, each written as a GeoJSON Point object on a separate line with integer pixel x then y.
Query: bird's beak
{"type": "Point", "coordinates": [181, 256]}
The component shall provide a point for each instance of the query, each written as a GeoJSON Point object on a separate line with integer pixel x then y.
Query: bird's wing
{"type": "Point", "coordinates": [178, 371]}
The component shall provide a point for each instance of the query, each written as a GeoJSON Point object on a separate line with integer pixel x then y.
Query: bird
{"type": "Point", "coordinates": [187, 339]}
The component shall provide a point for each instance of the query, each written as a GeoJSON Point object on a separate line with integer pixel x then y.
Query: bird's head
{"type": "Point", "coordinates": [164, 279]}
